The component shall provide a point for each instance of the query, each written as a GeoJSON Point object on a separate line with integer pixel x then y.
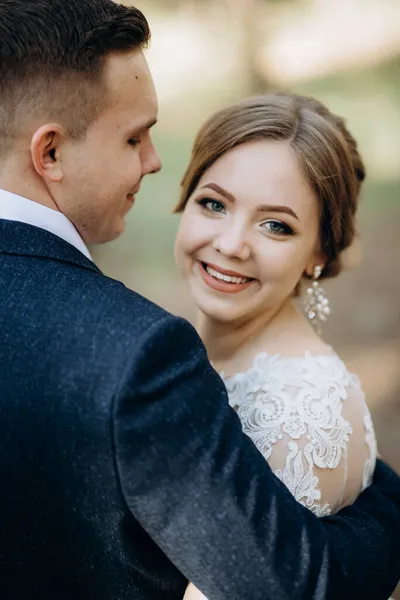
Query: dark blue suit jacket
{"type": "Point", "coordinates": [123, 471]}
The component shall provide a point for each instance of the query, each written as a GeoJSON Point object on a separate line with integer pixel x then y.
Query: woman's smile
{"type": "Point", "coordinates": [218, 279]}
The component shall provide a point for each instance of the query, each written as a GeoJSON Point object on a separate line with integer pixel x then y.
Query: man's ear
{"type": "Point", "coordinates": [45, 151]}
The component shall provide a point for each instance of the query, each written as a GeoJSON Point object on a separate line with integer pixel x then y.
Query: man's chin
{"type": "Point", "coordinates": [117, 233]}
{"type": "Point", "coordinates": [107, 236]}
{"type": "Point", "coordinates": [114, 235]}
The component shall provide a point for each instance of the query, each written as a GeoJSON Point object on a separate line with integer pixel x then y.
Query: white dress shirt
{"type": "Point", "coordinates": [17, 208]}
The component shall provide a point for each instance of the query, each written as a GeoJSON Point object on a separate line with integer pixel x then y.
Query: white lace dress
{"type": "Point", "coordinates": [309, 418]}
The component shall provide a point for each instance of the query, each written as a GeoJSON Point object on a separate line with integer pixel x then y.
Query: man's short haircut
{"type": "Point", "coordinates": [52, 54]}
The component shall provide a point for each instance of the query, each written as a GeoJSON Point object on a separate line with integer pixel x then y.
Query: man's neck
{"type": "Point", "coordinates": [17, 207]}
{"type": "Point", "coordinates": [22, 179]}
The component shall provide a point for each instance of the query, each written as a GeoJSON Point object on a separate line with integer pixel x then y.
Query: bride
{"type": "Point", "coordinates": [268, 207]}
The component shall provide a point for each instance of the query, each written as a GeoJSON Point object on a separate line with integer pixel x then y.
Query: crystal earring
{"type": "Point", "coordinates": [316, 303]}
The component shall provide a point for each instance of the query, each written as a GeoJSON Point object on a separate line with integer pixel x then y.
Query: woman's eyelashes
{"type": "Point", "coordinates": [212, 205]}
{"type": "Point", "coordinates": [277, 227]}
{"type": "Point", "coordinates": [272, 226]}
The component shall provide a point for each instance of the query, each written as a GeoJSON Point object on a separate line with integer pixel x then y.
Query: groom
{"type": "Point", "coordinates": [123, 471]}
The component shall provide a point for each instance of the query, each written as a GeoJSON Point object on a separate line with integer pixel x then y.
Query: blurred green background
{"type": "Point", "coordinates": [207, 53]}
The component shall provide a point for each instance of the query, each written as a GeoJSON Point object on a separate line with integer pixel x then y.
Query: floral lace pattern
{"type": "Point", "coordinates": [370, 439]}
{"type": "Point", "coordinates": [300, 400]}
{"type": "Point", "coordinates": [302, 485]}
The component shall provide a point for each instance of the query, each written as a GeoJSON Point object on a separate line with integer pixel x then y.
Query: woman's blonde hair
{"type": "Point", "coordinates": [326, 151]}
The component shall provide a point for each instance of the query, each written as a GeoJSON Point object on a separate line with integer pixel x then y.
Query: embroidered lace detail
{"type": "Point", "coordinates": [370, 440]}
{"type": "Point", "coordinates": [302, 485]}
{"type": "Point", "coordinates": [280, 400]}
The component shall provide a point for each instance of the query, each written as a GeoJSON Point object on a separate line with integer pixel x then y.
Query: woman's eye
{"type": "Point", "coordinates": [278, 228]}
{"type": "Point", "coordinates": [133, 142]}
{"type": "Point", "coordinates": [212, 205]}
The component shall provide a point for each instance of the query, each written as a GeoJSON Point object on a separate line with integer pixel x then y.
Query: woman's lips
{"type": "Point", "coordinates": [222, 286]}
{"type": "Point", "coordinates": [226, 271]}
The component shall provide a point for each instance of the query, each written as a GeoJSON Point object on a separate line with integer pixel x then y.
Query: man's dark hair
{"type": "Point", "coordinates": [52, 54]}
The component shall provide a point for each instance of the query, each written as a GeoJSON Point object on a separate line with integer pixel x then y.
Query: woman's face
{"type": "Point", "coordinates": [248, 232]}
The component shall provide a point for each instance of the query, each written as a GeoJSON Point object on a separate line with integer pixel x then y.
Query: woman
{"type": "Point", "coordinates": [268, 202]}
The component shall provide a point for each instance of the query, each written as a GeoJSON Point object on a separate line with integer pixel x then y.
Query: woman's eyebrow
{"type": "Point", "coordinates": [260, 208]}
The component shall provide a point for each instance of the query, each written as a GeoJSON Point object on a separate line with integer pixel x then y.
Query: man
{"type": "Point", "coordinates": [124, 473]}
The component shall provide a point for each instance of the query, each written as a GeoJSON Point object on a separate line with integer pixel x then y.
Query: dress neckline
{"type": "Point", "coordinates": [280, 358]}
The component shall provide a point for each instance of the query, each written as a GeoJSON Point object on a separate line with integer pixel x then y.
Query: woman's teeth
{"type": "Point", "coordinates": [226, 278]}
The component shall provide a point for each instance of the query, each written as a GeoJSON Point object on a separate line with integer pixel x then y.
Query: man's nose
{"type": "Point", "coordinates": [151, 161]}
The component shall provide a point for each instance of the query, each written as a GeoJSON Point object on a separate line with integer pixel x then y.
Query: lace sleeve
{"type": "Point", "coordinates": [309, 419]}
{"type": "Point", "coordinates": [362, 448]}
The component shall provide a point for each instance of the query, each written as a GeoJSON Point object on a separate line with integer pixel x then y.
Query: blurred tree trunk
{"type": "Point", "coordinates": [241, 21]}
{"type": "Point", "coordinates": [247, 15]}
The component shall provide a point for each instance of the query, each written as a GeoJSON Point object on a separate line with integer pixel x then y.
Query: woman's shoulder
{"type": "Point", "coordinates": [321, 360]}
{"type": "Point", "coordinates": [315, 370]}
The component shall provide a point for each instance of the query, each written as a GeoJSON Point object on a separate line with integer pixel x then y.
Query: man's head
{"type": "Point", "coordinates": [76, 104]}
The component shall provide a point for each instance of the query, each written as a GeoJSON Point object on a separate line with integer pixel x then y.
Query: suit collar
{"type": "Point", "coordinates": [21, 239]}
{"type": "Point", "coordinates": [17, 208]}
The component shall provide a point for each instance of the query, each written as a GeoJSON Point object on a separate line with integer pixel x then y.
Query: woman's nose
{"type": "Point", "coordinates": [231, 242]}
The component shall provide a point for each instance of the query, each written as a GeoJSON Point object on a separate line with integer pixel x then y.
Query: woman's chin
{"type": "Point", "coordinates": [222, 314]}
{"type": "Point", "coordinates": [227, 308]}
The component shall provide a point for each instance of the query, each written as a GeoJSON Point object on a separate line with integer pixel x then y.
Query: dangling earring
{"type": "Point", "coordinates": [316, 303]}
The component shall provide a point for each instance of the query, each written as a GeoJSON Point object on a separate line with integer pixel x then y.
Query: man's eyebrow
{"type": "Point", "coordinates": [151, 123]}
{"type": "Point", "coordinates": [146, 125]}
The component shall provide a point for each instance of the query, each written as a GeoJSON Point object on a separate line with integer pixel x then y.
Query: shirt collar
{"type": "Point", "coordinates": [17, 208]}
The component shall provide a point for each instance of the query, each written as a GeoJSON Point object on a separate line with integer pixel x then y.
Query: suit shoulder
{"type": "Point", "coordinates": [121, 308]}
